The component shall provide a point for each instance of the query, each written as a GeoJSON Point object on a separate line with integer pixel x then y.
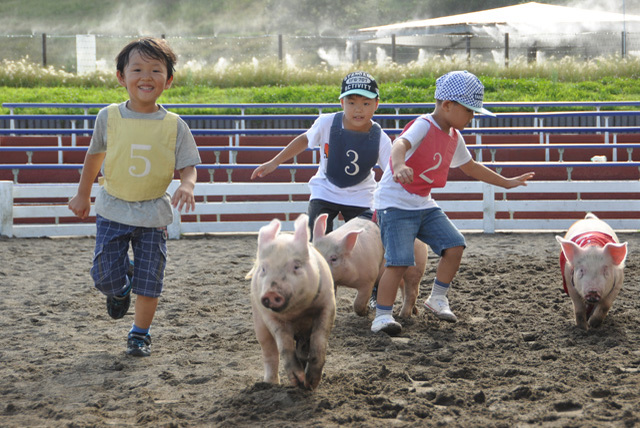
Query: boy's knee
{"type": "Point", "coordinates": [453, 252]}
{"type": "Point", "coordinates": [108, 284]}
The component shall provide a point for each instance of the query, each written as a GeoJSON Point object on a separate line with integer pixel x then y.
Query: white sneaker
{"type": "Point", "coordinates": [387, 324]}
{"type": "Point", "coordinates": [373, 300]}
{"type": "Point", "coordinates": [439, 305]}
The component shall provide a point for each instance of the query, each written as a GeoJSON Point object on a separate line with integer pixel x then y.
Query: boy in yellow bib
{"type": "Point", "coordinates": [137, 145]}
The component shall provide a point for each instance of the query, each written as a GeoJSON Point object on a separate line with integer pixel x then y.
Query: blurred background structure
{"type": "Point", "coordinates": [309, 33]}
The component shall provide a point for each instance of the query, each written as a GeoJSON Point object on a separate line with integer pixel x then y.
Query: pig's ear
{"type": "Point", "coordinates": [269, 232]}
{"type": "Point", "coordinates": [349, 241]}
{"type": "Point", "coordinates": [618, 252]}
{"type": "Point", "coordinates": [569, 248]}
{"type": "Point", "coordinates": [320, 226]}
{"type": "Point", "coordinates": [301, 234]}
{"type": "Point", "coordinates": [251, 272]}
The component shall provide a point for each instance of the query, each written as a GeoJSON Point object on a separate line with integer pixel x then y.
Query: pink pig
{"type": "Point", "coordinates": [592, 263]}
{"type": "Point", "coordinates": [355, 255]}
{"type": "Point", "coordinates": [293, 304]}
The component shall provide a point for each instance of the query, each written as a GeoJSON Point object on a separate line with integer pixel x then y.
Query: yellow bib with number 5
{"type": "Point", "coordinates": [140, 160]}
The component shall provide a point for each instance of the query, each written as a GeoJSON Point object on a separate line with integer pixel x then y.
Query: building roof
{"type": "Point", "coordinates": [527, 17]}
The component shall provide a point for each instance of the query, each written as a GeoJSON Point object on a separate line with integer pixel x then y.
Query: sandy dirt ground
{"type": "Point", "coordinates": [514, 359]}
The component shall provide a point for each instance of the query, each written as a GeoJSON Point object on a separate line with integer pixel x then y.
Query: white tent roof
{"type": "Point", "coordinates": [527, 17]}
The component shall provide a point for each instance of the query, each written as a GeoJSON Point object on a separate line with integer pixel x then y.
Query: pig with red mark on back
{"type": "Point", "coordinates": [293, 304]}
{"type": "Point", "coordinates": [592, 264]}
{"type": "Point", "coordinates": [355, 255]}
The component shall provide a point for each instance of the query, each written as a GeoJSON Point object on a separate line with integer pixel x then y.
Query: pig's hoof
{"type": "Point", "coordinates": [593, 323]}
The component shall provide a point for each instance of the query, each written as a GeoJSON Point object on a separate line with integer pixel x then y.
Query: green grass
{"type": "Point", "coordinates": [611, 79]}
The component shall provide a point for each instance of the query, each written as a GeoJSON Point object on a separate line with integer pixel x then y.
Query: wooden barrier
{"type": "Point", "coordinates": [245, 207]}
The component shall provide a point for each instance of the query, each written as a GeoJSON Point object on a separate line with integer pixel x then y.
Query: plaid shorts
{"type": "Point", "coordinates": [111, 258]}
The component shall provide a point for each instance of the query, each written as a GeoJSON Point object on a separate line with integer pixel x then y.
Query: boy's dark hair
{"type": "Point", "coordinates": [149, 47]}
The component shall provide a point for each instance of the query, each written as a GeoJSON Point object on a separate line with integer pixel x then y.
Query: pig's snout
{"type": "Point", "coordinates": [274, 301]}
{"type": "Point", "coordinates": [592, 297]}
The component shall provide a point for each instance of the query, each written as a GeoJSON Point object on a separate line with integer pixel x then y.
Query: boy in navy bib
{"type": "Point", "coordinates": [350, 145]}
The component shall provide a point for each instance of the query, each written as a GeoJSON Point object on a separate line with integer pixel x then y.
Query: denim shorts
{"type": "Point", "coordinates": [111, 258]}
{"type": "Point", "coordinates": [400, 228]}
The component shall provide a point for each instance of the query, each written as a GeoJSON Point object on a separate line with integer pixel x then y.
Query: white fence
{"type": "Point", "coordinates": [493, 208]}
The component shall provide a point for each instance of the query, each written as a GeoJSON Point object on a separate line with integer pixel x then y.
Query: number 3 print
{"type": "Point", "coordinates": [355, 169]}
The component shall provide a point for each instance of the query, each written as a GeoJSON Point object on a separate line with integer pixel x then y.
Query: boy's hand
{"type": "Point", "coordinates": [403, 174]}
{"type": "Point", "coordinates": [183, 197]}
{"type": "Point", "coordinates": [521, 180]}
{"type": "Point", "coordinates": [263, 170]}
{"type": "Point", "coordinates": [80, 206]}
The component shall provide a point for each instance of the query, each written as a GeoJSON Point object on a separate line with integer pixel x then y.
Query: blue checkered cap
{"type": "Point", "coordinates": [464, 88]}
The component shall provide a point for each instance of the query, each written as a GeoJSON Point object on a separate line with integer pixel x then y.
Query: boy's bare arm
{"type": "Point", "coordinates": [183, 196]}
{"type": "Point", "coordinates": [294, 148]}
{"type": "Point", "coordinates": [80, 204]}
{"type": "Point", "coordinates": [401, 172]}
{"type": "Point", "coordinates": [482, 173]}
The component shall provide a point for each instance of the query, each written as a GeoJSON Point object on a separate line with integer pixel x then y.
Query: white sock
{"type": "Point", "coordinates": [383, 310]}
{"type": "Point", "coordinates": [440, 288]}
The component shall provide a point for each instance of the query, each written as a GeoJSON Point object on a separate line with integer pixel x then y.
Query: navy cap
{"type": "Point", "coordinates": [359, 83]}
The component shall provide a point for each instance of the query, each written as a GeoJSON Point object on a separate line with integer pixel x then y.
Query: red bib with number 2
{"type": "Point", "coordinates": [430, 162]}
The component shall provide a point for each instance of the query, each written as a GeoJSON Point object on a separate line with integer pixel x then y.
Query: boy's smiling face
{"type": "Point", "coordinates": [145, 79]}
{"type": "Point", "coordinates": [358, 111]}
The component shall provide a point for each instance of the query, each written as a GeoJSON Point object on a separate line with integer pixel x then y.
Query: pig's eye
{"type": "Point", "coordinates": [296, 266]}
{"type": "Point", "coordinates": [605, 271]}
{"type": "Point", "coordinates": [333, 259]}
{"type": "Point", "coordinates": [262, 270]}
{"type": "Point", "coordinates": [579, 273]}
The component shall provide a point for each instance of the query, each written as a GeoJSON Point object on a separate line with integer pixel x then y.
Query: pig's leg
{"type": "Point", "coordinates": [287, 346]}
{"type": "Point", "coordinates": [579, 307]}
{"type": "Point", "coordinates": [361, 302]}
{"type": "Point", "coordinates": [602, 308]}
{"type": "Point", "coordinates": [412, 278]}
{"type": "Point", "coordinates": [318, 348]}
{"type": "Point", "coordinates": [270, 356]}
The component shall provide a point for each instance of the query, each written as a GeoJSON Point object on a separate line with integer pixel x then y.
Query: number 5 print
{"type": "Point", "coordinates": [147, 162]}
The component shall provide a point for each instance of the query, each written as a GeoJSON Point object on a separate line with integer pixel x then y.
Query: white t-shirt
{"type": "Point", "coordinates": [360, 195]}
{"type": "Point", "coordinates": [391, 194]}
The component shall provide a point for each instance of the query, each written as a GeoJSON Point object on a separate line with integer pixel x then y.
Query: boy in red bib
{"type": "Point", "coordinates": [138, 145]}
{"type": "Point", "coordinates": [420, 161]}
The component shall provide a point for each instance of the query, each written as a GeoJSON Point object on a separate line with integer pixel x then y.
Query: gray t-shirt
{"type": "Point", "coordinates": [152, 213]}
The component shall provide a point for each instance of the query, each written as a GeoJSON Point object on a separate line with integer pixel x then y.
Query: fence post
{"type": "Point", "coordinates": [393, 48]}
{"type": "Point", "coordinates": [280, 48]}
{"type": "Point", "coordinates": [488, 208]}
{"type": "Point", "coordinates": [6, 208]}
{"type": "Point", "coordinates": [506, 50]}
{"type": "Point", "coordinates": [44, 50]}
